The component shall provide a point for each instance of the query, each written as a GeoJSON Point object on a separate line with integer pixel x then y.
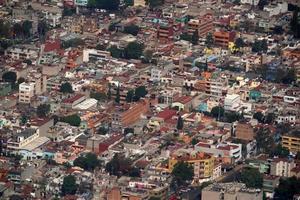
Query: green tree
{"type": "Point", "coordinates": [289, 76]}
{"type": "Point", "coordinates": [18, 30]}
{"type": "Point", "coordinates": [134, 50]}
{"type": "Point", "coordinates": [264, 140]}
{"type": "Point", "coordinates": [117, 99]}
{"type": "Point", "coordinates": [43, 110]}
{"type": "Point", "coordinates": [295, 23]}
{"type": "Point", "coordinates": [112, 27]}
{"type": "Point", "coordinates": [27, 26]}
{"type": "Point", "coordinates": [129, 2]}
{"type": "Point", "coordinates": [102, 130]}
{"type": "Point", "coordinates": [287, 188]}
{"type": "Point", "coordinates": [217, 112]}
{"type": "Point", "coordinates": [115, 52]}
{"type": "Point", "coordinates": [69, 185]}
{"type": "Point", "coordinates": [68, 11]}
{"type": "Point", "coordinates": [269, 118]}
{"type": "Point", "coordinates": [9, 77]}
{"type": "Point", "coordinates": [66, 88]}
{"type": "Point", "coordinates": [262, 3]}
{"type": "Point", "coordinates": [194, 141]}
{"type": "Point", "coordinates": [73, 120]}
{"type": "Point", "coordinates": [239, 43]}
{"type": "Point", "coordinates": [148, 54]}
{"type": "Point", "coordinates": [72, 43]}
{"type": "Point", "coordinates": [260, 46]}
{"type": "Point", "coordinates": [118, 166]}
{"type": "Point", "coordinates": [99, 96]}
{"type": "Point", "coordinates": [195, 38]}
{"type": "Point", "coordinates": [183, 172]}
{"type": "Point", "coordinates": [132, 29]}
{"type": "Point", "coordinates": [231, 117]}
{"type": "Point", "coordinates": [104, 4]}
{"type": "Point", "coordinates": [154, 3]}
{"type": "Point", "coordinates": [209, 40]}
{"type": "Point", "coordinates": [5, 29]}
{"type": "Point", "coordinates": [280, 151]}
{"type": "Point", "coordinates": [87, 162]}
{"type": "Point", "coordinates": [129, 96]}
{"type": "Point", "coordinates": [140, 92]}
{"type": "Point", "coordinates": [42, 28]}
{"type": "Point", "coordinates": [252, 178]}
{"type": "Point", "coordinates": [109, 92]}
{"type": "Point", "coordinates": [259, 117]}
{"type": "Point", "coordinates": [180, 123]}
{"type": "Point", "coordinates": [24, 119]}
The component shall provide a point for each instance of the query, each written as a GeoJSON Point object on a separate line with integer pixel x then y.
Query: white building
{"type": "Point", "coordinates": [282, 167]}
{"type": "Point", "coordinates": [251, 2]}
{"type": "Point", "coordinates": [276, 9]}
{"type": "Point", "coordinates": [22, 139]}
{"type": "Point", "coordinates": [286, 119]}
{"type": "Point", "coordinates": [226, 150]}
{"type": "Point", "coordinates": [232, 102]}
{"type": "Point", "coordinates": [26, 92]}
{"type": "Point", "coordinates": [155, 75]}
{"type": "Point", "coordinates": [95, 54]}
{"type": "Point", "coordinates": [23, 52]}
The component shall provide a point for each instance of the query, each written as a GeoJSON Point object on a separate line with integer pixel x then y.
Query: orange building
{"type": "Point", "coordinates": [203, 25]}
{"type": "Point", "coordinates": [128, 114]}
{"type": "Point", "coordinates": [244, 131]}
{"type": "Point", "coordinates": [222, 38]}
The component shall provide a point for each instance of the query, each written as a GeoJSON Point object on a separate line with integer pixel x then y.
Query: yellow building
{"type": "Point", "coordinates": [291, 142]}
{"type": "Point", "coordinates": [203, 163]}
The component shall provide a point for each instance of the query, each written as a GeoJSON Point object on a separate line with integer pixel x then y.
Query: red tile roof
{"type": "Point", "coordinates": [72, 99]}
{"type": "Point", "coordinates": [166, 114]}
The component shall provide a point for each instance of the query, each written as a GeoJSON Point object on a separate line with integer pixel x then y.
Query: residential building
{"type": "Point", "coordinates": [22, 139]}
{"type": "Point", "coordinates": [291, 141]}
{"type": "Point", "coordinates": [5, 89]}
{"type": "Point", "coordinates": [222, 38]}
{"type": "Point", "coordinates": [165, 32]}
{"type": "Point", "coordinates": [251, 2]}
{"type": "Point", "coordinates": [23, 52]}
{"type": "Point", "coordinates": [93, 54]}
{"type": "Point", "coordinates": [232, 102]}
{"type": "Point", "coordinates": [282, 167]}
{"type": "Point", "coordinates": [270, 183]}
{"type": "Point", "coordinates": [26, 92]}
{"type": "Point", "coordinates": [227, 152]}
{"type": "Point", "coordinates": [203, 163]}
{"type": "Point", "coordinates": [244, 131]}
{"type": "Point", "coordinates": [236, 191]}
{"type": "Point", "coordinates": [203, 25]}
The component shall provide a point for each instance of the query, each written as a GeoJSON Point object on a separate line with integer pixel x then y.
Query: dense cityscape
{"type": "Point", "coordinates": [150, 99]}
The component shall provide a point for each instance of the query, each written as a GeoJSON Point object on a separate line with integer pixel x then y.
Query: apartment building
{"type": "Point", "coordinates": [232, 102]}
{"type": "Point", "coordinates": [165, 32]}
{"type": "Point", "coordinates": [203, 163]}
{"type": "Point", "coordinates": [93, 54]}
{"type": "Point", "coordinates": [35, 85]}
{"type": "Point", "coordinates": [226, 152]}
{"type": "Point", "coordinates": [282, 167]}
{"type": "Point", "coordinates": [222, 38]}
{"type": "Point", "coordinates": [291, 141]}
{"type": "Point", "coordinates": [203, 25]}
{"type": "Point", "coordinates": [22, 52]}
{"type": "Point", "coordinates": [217, 87]}
{"type": "Point", "coordinates": [22, 139]}
{"type": "Point", "coordinates": [26, 92]}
